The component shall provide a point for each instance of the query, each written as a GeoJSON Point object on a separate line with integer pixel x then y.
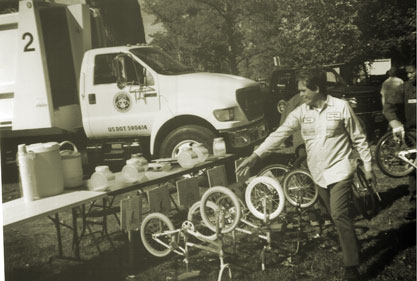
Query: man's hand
{"type": "Point", "coordinates": [370, 176]}
{"type": "Point", "coordinates": [244, 167]}
{"type": "Point", "coordinates": [397, 130]}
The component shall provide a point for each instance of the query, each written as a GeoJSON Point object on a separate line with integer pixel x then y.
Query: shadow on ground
{"type": "Point", "coordinates": [387, 245]}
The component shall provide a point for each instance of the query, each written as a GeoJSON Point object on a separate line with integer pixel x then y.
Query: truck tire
{"type": "Point", "coordinates": [185, 136]}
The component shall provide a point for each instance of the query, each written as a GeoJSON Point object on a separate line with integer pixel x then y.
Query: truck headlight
{"type": "Point", "coordinates": [227, 114]}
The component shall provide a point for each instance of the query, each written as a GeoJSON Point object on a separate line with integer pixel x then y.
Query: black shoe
{"type": "Point", "coordinates": [351, 273]}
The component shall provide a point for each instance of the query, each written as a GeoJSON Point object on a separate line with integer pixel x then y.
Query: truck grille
{"type": "Point", "coordinates": [251, 101]}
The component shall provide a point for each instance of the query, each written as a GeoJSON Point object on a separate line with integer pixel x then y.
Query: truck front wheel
{"type": "Point", "coordinates": [186, 136]}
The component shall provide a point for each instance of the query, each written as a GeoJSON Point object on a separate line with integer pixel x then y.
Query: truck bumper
{"type": "Point", "coordinates": [243, 137]}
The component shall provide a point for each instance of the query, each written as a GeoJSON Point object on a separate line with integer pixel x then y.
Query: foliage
{"type": "Point", "coordinates": [388, 29]}
{"type": "Point", "coordinates": [242, 36]}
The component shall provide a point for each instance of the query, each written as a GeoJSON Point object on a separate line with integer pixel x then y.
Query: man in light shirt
{"type": "Point", "coordinates": [330, 131]}
{"type": "Point", "coordinates": [392, 83]}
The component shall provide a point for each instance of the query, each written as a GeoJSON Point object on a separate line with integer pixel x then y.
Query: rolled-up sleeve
{"type": "Point", "coordinates": [392, 100]}
{"type": "Point", "coordinates": [276, 138]}
{"type": "Point", "coordinates": [358, 136]}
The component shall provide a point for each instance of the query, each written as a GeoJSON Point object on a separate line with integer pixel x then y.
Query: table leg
{"type": "Point", "coordinates": [58, 234]}
{"type": "Point", "coordinates": [75, 234]}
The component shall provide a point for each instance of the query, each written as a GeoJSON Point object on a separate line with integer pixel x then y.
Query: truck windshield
{"type": "Point", "coordinates": [160, 61]}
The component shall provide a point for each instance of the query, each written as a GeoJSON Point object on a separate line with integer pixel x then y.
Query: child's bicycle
{"type": "Point", "coordinates": [396, 156]}
{"type": "Point", "coordinates": [301, 192]}
{"type": "Point", "coordinates": [160, 237]}
{"type": "Point", "coordinates": [265, 201]}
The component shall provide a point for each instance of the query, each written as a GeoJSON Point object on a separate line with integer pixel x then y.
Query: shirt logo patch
{"type": "Point", "coordinates": [308, 120]}
{"type": "Point", "coordinates": [412, 101]}
{"type": "Point", "coordinates": [331, 116]}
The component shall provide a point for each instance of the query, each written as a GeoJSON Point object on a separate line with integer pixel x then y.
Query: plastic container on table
{"type": "Point", "coordinates": [48, 168]}
{"type": "Point", "coordinates": [219, 147]}
{"type": "Point", "coordinates": [187, 158]}
{"type": "Point", "coordinates": [201, 151]}
{"type": "Point", "coordinates": [135, 168]}
{"type": "Point", "coordinates": [71, 163]}
{"type": "Point", "coordinates": [101, 178]}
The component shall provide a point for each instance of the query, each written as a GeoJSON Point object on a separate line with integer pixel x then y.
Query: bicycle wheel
{"type": "Point", "coordinates": [299, 188]}
{"type": "Point", "coordinates": [264, 188]}
{"type": "Point", "coordinates": [194, 215]}
{"type": "Point", "coordinates": [275, 171]}
{"type": "Point", "coordinates": [386, 154]}
{"type": "Point", "coordinates": [228, 204]}
{"type": "Point", "coordinates": [364, 197]}
{"type": "Point", "coordinates": [156, 223]}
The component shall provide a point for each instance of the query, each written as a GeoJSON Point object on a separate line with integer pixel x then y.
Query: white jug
{"type": "Point", "coordinates": [48, 168]}
{"type": "Point", "coordinates": [71, 163]}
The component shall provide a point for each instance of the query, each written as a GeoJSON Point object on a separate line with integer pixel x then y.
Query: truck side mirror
{"type": "Point", "coordinates": [118, 65]}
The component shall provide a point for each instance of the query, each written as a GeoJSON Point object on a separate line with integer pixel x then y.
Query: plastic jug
{"type": "Point", "coordinates": [26, 163]}
{"type": "Point", "coordinates": [101, 178]}
{"type": "Point", "coordinates": [139, 159]}
{"type": "Point", "coordinates": [135, 168]}
{"type": "Point", "coordinates": [48, 168]}
{"type": "Point", "coordinates": [187, 158]}
{"type": "Point", "coordinates": [201, 151]}
{"type": "Point", "coordinates": [71, 163]}
{"type": "Point", "coordinates": [219, 147]}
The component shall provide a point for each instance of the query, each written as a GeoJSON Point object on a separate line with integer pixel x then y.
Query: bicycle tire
{"type": "Point", "coordinates": [257, 186]}
{"type": "Point", "coordinates": [194, 215]}
{"type": "Point", "coordinates": [235, 216]}
{"type": "Point", "coordinates": [364, 197]}
{"type": "Point", "coordinates": [296, 181]}
{"type": "Point", "coordinates": [276, 171]}
{"type": "Point", "coordinates": [146, 232]}
{"type": "Point", "coordinates": [385, 154]}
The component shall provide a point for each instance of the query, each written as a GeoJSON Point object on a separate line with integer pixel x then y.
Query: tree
{"type": "Point", "coordinates": [388, 29]}
{"type": "Point", "coordinates": [242, 36]}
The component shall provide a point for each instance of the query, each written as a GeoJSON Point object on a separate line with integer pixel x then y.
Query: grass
{"type": "Point", "coordinates": [388, 250]}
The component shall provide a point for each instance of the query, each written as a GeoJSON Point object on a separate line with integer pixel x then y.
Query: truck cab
{"type": "Point", "coordinates": [139, 91]}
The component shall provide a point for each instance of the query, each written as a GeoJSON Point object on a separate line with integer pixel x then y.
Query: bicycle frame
{"type": "Point", "coordinates": [403, 156]}
{"type": "Point", "coordinates": [186, 230]}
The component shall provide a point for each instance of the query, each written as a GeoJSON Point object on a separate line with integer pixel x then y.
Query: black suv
{"type": "Point", "coordinates": [365, 99]}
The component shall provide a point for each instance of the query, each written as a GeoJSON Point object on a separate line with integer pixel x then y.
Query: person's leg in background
{"type": "Point", "coordinates": [411, 215]}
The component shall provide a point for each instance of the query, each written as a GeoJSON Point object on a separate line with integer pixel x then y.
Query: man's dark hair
{"type": "Point", "coordinates": [314, 78]}
{"type": "Point", "coordinates": [393, 72]}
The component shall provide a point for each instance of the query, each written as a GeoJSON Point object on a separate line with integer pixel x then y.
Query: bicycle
{"type": "Point", "coordinates": [396, 156]}
{"type": "Point", "coordinates": [160, 238]}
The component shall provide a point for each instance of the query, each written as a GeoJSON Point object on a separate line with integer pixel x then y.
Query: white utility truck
{"type": "Point", "coordinates": [54, 85]}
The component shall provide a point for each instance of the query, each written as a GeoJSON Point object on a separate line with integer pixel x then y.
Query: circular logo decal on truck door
{"type": "Point", "coordinates": [122, 102]}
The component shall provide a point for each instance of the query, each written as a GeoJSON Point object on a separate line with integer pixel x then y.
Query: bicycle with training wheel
{"type": "Point", "coordinates": [265, 200]}
{"type": "Point", "coordinates": [301, 192]}
{"type": "Point", "coordinates": [397, 156]}
{"type": "Point", "coordinates": [160, 238]}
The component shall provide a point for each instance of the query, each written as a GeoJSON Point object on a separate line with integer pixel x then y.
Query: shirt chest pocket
{"type": "Point", "coordinates": [308, 131]}
{"type": "Point", "coordinates": [334, 128]}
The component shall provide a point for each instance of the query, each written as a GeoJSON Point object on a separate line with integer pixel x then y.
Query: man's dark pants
{"type": "Point", "coordinates": [337, 198]}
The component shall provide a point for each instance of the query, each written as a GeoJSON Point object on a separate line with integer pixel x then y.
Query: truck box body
{"type": "Point", "coordinates": [40, 66]}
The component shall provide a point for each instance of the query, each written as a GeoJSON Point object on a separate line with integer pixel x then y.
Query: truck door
{"type": "Point", "coordinates": [115, 112]}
